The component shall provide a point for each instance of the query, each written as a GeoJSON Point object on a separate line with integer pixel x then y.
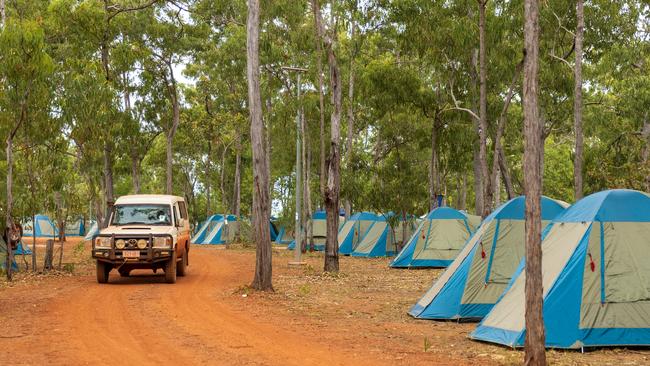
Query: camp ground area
{"type": "Point", "coordinates": [355, 318]}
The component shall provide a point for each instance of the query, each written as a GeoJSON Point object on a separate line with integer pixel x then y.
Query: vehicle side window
{"type": "Point", "coordinates": [175, 214]}
{"type": "Point", "coordinates": [183, 209]}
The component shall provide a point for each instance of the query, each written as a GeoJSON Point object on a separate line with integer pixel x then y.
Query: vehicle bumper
{"type": "Point", "coordinates": [148, 255]}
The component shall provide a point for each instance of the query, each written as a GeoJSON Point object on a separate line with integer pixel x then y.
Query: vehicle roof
{"type": "Point", "coordinates": [149, 198]}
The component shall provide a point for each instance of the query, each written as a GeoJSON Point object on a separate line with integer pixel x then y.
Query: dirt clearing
{"type": "Point", "coordinates": [211, 317]}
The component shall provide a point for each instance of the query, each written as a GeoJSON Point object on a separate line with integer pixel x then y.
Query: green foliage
{"type": "Point", "coordinates": [93, 84]}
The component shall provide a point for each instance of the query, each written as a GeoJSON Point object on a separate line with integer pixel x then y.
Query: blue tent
{"type": "Point", "coordinates": [274, 231]}
{"type": "Point", "coordinates": [215, 230]}
{"type": "Point", "coordinates": [319, 231]}
{"type": "Point", "coordinates": [44, 227]}
{"type": "Point", "coordinates": [380, 240]}
{"type": "Point", "coordinates": [354, 230]}
{"type": "Point", "coordinates": [75, 228]}
{"type": "Point", "coordinates": [22, 249]}
{"type": "Point", "coordinates": [437, 241]}
{"type": "Point", "coordinates": [472, 284]}
{"type": "Point", "coordinates": [282, 237]}
{"type": "Point", "coordinates": [596, 278]}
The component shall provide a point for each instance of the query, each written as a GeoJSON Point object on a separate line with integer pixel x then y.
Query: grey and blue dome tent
{"type": "Point", "coordinates": [380, 240]}
{"type": "Point", "coordinates": [439, 237]}
{"type": "Point", "coordinates": [319, 231]}
{"type": "Point", "coordinates": [472, 284]}
{"type": "Point", "coordinates": [75, 228]}
{"type": "Point", "coordinates": [353, 231]}
{"type": "Point", "coordinates": [283, 237]}
{"type": "Point", "coordinates": [215, 230]}
{"type": "Point", "coordinates": [596, 278]}
{"type": "Point", "coordinates": [44, 227]}
{"type": "Point", "coordinates": [274, 231]}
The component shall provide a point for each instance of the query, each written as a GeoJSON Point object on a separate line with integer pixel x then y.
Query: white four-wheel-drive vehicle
{"type": "Point", "coordinates": [144, 232]}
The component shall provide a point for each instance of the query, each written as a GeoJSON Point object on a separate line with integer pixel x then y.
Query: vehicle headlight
{"type": "Point", "coordinates": [120, 244]}
{"type": "Point", "coordinates": [162, 242]}
{"type": "Point", "coordinates": [142, 244]}
{"type": "Point", "coordinates": [103, 242]}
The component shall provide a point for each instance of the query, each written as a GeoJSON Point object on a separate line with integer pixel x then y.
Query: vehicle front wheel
{"type": "Point", "coordinates": [170, 269]}
{"type": "Point", "coordinates": [103, 269]}
{"type": "Point", "coordinates": [181, 266]}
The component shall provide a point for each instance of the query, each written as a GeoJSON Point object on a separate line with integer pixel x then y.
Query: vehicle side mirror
{"type": "Point", "coordinates": [180, 223]}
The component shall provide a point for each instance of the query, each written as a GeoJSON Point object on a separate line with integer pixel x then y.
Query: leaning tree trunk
{"type": "Point", "coordinates": [533, 155]}
{"type": "Point", "coordinates": [505, 173]}
{"type": "Point", "coordinates": [577, 102]}
{"type": "Point", "coordinates": [476, 163]}
{"type": "Point", "coordinates": [498, 163]}
{"type": "Point", "coordinates": [261, 209]}
{"type": "Point", "coordinates": [332, 188]}
{"type": "Point", "coordinates": [483, 123]}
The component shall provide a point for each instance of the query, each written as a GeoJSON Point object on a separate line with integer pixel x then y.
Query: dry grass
{"type": "Point", "coordinates": [363, 308]}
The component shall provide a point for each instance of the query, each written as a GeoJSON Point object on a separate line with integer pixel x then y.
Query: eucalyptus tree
{"type": "Point", "coordinates": [533, 154]}
{"type": "Point", "coordinates": [161, 47]}
{"type": "Point", "coordinates": [25, 69]}
{"type": "Point", "coordinates": [261, 203]}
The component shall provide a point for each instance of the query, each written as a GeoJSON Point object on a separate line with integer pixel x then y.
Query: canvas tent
{"type": "Point", "coordinates": [437, 240]}
{"type": "Point", "coordinates": [319, 230]}
{"type": "Point", "coordinates": [353, 231]}
{"type": "Point", "coordinates": [217, 229]}
{"type": "Point", "coordinates": [283, 237]}
{"type": "Point", "coordinates": [274, 231]}
{"type": "Point", "coordinates": [380, 240]}
{"type": "Point", "coordinates": [473, 282]}
{"type": "Point", "coordinates": [596, 278]}
{"type": "Point", "coordinates": [44, 227]}
{"type": "Point", "coordinates": [22, 249]}
{"type": "Point", "coordinates": [75, 228]}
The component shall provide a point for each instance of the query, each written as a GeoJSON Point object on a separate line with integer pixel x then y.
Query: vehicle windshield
{"type": "Point", "coordinates": [143, 214]}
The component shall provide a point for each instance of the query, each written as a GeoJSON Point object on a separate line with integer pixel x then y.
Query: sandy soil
{"type": "Point", "coordinates": [212, 317]}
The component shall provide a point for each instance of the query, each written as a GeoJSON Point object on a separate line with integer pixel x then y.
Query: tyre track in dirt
{"type": "Point", "coordinates": [140, 320]}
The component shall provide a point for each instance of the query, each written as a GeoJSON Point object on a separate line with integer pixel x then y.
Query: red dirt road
{"type": "Point", "coordinates": [140, 320]}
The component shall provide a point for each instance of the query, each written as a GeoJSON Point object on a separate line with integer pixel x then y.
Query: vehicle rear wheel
{"type": "Point", "coordinates": [103, 269]}
{"type": "Point", "coordinates": [170, 269]}
{"type": "Point", "coordinates": [181, 267]}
